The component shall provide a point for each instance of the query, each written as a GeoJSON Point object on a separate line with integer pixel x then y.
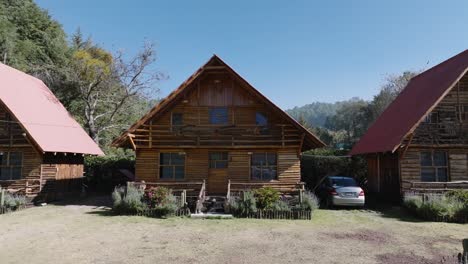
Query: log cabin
{"type": "Point", "coordinates": [420, 142]}
{"type": "Point", "coordinates": [218, 130]}
{"type": "Point", "coordinates": [41, 145]}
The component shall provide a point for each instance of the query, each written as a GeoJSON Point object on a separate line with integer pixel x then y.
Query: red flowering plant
{"type": "Point", "coordinates": [159, 197]}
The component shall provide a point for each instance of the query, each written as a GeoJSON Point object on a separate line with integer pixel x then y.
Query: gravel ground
{"type": "Point", "coordinates": [87, 233]}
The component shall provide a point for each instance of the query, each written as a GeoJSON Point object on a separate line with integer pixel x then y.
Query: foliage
{"type": "Point", "coordinates": [100, 171]}
{"type": "Point", "coordinates": [266, 197]}
{"type": "Point", "coordinates": [245, 205]}
{"type": "Point", "coordinates": [14, 201]}
{"type": "Point", "coordinates": [162, 200]}
{"type": "Point", "coordinates": [128, 200]}
{"type": "Point", "coordinates": [280, 205]}
{"type": "Point", "coordinates": [460, 195]}
{"type": "Point", "coordinates": [309, 202]}
{"type": "Point", "coordinates": [437, 207]}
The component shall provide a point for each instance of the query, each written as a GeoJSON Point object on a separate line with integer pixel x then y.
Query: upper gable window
{"type": "Point", "coordinates": [219, 116]}
{"type": "Point", "coordinates": [177, 120]}
{"type": "Point", "coordinates": [464, 112]}
{"type": "Point", "coordinates": [432, 118]}
{"type": "Point", "coordinates": [261, 119]}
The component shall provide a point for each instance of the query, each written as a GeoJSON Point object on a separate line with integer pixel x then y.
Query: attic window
{"type": "Point", "coordinates": [177, 120]}
{"type": "Point", "coordinates": [432, 118]}
{"type": "Point", "coordinates": [464, 112]}
{"type": "Point", "coordinates": [219, 116]}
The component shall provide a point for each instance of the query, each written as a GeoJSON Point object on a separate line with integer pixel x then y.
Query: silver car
{"type": "Point", "coordinates": [341, 191]}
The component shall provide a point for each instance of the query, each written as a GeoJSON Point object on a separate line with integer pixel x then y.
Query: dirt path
{"type": "Point", "coordinates": [87, 234]}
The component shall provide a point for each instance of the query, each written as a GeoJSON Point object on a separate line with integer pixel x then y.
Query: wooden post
{"type": "Point", "coordinates": [151, 132]}
{"type": "Point", "coordinates": [301, 196]}
{"type": "Point", "coordinates": [2, 197]}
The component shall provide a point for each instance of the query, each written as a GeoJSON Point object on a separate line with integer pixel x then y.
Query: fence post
{"type": "Point", "coordinates": [183, 198]}
{"type": "Point", "coordinates": [2, 197]}
{"type": "Point", "coordinates": [301, 196]}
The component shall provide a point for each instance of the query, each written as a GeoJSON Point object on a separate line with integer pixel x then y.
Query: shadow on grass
{"type": "Point", "coordinates": [103, 212]}
{"type": "Point", "coordinates": [96, 200]}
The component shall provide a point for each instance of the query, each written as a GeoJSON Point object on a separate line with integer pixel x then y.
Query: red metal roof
{"type": "Point", "coordinates": [404, 114]}
{"type": "Point", "coordinates": [42, 115]}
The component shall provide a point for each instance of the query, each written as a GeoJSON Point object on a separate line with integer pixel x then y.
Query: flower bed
{"type": "Point", "coordinates": [267, 203]}
{"type": "Point", "coordinates": [448, 207]}
{"type": "Point", "coordinates": [11, 202]}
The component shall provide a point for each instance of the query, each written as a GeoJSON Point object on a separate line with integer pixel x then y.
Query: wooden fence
{"type": "Point", "coordinates": [156, 213]}
{"type": "Point", "coordinates": [272, 214]}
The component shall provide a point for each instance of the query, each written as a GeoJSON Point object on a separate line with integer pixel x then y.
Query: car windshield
{"type": "Point", "coordinates": [343, 182]}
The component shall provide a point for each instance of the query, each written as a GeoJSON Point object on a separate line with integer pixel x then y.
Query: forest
{"type": "Point", "coordinates": [108, 90]}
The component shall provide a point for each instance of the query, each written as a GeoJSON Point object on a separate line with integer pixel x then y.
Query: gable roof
{"type": "Point", "coordinates": [310, 140]}
{"type": "Point", "coordinates": [419, 97]}
{"type": "Point", "coordinates": [41, 115]}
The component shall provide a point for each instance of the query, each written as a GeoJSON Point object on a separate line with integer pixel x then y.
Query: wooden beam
{"type": "Point", "coordinates": [403, 153]}
{"type": "Point", "coordinates": [130, 138]}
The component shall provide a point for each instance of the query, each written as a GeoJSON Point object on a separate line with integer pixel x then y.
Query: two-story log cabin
{"type": "Point", "coordinates": [219, 129]}
{"type": "Point", "coordinates": [41, 145]}
{"type": "Point", "coordinates": [420, 142]}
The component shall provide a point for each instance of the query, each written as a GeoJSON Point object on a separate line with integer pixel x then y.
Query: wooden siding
{"type": "Point", "coordinates": [241, 131]}
{"type": "Point", "coordinates": [197, 167]}
{"type": "Point", "coordinates": [450, 128]}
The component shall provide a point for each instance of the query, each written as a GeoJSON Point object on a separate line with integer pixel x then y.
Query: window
{"type": "Point", "coordinates": [434, 166]}
{"type": "Point", "coordinates": [218, 160]}
{"type": "Point", "coordinates": [464, 112]}
{"type": "Point", "coordinates": [263, 166]}
{"type": "Point", "coordinates": [11, 165]}
{"type": "Point", "coordinates": [177, 120]}
{"type": "Point", "coordinates": [260, 119]}
{"type": "Point", "coordinates": [219, 116]}
{"type": "Point", "coordinates": [171, 166]}
{"type": "Point", "coordinates": [432, 118]}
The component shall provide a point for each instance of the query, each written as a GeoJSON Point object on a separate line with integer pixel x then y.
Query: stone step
{"type": "Point", "coordinates": [211, 216]}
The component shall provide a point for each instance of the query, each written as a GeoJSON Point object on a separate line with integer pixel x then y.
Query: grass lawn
{"type": "Point", "coordinates": [88, 234]}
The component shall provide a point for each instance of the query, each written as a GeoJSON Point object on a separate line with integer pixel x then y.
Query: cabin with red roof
{"type": "Point", "coordinates": [420, 142]}
{"type": "Point", "coordinates": [41, 146]}
{"type": "Point", "coordinates": [217, 134]}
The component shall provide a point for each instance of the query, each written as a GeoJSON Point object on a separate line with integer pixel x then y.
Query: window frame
{"type": "Point", "coordinates": [211, 115]}
{"type": "Point", "coordinates": [173, 126]}
{"type": "Point", "coordinates": [10, 167]}
{"type": "Point", "coordinates": [434, 166]}
{"type": "Point", "coordinates": [275, 166]}
{"type": "Point", "coordinates": [464, 112]}
{"type": "Point", "coordinates": [174, 166]}
{"type": "Point", "coordinates": [216, 161]}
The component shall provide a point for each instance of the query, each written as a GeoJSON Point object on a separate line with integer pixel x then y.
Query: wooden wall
{"type": "Point", "coordinates": [197, 166]}
{"type": "Point", "coordinates": [410, 167]}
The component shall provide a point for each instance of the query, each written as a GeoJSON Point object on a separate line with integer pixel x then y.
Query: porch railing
{"type": "Point", "coordinates": [285, 188]}
{"type": "Point", "coordinates": [432, 187]}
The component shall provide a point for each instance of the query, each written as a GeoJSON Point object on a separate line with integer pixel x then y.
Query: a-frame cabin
{"type": "Point", "coordinates": [42, 147]}
{"type": "Point", "coordinates": [420, 142]}
{"type": "Point", "coordinates": [218, 129]}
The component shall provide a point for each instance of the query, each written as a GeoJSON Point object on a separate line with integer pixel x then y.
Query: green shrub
{"type": "Point", "coordinates": [436, 207]}
{"type": "Point", "coordinates": [161, 200]}
{"type": "Point", "coordinates": [128, 201]}
{"type": "Point", "coordinates": [245, 205]}
{"type": "Point", "coordinates": [460, 195]}
{"type": "Point", "coordinates": [309, 202]}
{"type": "Point", "coordinates": [14, 201]}
{"type": "Point", "coordinates": [266, 197]}
{"type": "Point", "coordinates": [280, 205]}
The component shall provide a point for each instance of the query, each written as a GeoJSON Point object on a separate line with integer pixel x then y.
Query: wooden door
{"type": "Point", "coordinates": [217, 173]}
{"type": "Point", "coordinates": [217, 182]}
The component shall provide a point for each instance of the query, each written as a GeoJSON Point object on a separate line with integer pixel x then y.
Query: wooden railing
{"type": "Point", "coordinates": [284, 188]}
{"type": "Point", "coordinates": [216, 135]}
{"type": "Point", "coordinates": [432, 187]}
{"type": "Point", "coordinates": [201, 198]}
{"type": "Point", "coordinates": [189, 188]}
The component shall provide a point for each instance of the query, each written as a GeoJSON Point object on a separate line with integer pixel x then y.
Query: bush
{"type": "Point", "coordinates": [245, 205]}
{"type": "Point", "coordinates": [280, 205]}
{"type": "Point", "coordinates": [14, 201]}
{"type": "Point", "coordinates": [460, 195]}
{"type": "Point", "coordinates": [161, 200]}
{"type": "Point", "coordinates": [309, 202]}
{"type": "Point", "coordinates": [437, 207]}
{"type": "Point", "coordinates": [266, 197]}
{"type": "Point", "coordinates": [128, 200]}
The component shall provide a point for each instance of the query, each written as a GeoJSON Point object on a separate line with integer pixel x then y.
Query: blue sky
{"type": "Point", "coordinates": [295, 52]}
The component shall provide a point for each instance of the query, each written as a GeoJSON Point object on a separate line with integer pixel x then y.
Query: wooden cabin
{"type": "Point", "coordinates": [41, 145]}
{"type": "Point", "coordinates": [420, 142]}
{"type": "Point", "coordinates": [218, 130]}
